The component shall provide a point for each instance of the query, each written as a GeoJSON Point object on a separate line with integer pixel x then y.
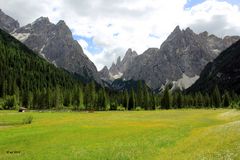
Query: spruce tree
{"type": "Point", "coordinates": [131, 105]}
{"type": "Point", "coordinates": [179, 100]}
{"type": "Point", "coordinates": [146, 98]}
{"type": "Point", "coordinates": [226, 99]}
{"type": "Point", "coordinates": [57, 100]}
{"type": "Point", "coordinates": [139, 98]}
{"type": "Point", "coordinates": [126, 100]}
{"type": "Point", "coordinates": [216, 97]}
{"type": "Point", "coordinates": [166, 101]}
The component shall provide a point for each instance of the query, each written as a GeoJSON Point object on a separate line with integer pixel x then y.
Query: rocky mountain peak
{"type": "Point", "coordinates": [188, 29]}
{"type": "Point", "coordinates": [104, 74]}
{"type": "Point", "coordinates": [62, 24]}
{"type": "Point", "coordinates": [114, 70]}
{"type": "Point", "coordinates": [229, 40]}
{"type": "Point", "coordinates": [7, 23]}
{"type": "Point", "coordinates": [42, 21]}
{"type": "Point", "coordinates": [105, 68]}
{"type": "Point", "coordinates": [117, 70]}
{"type": "Point", "coordinates": [177, 30]}
{"type": "Point", "coordinates": [130, 53]}
{"type": "Point", "coordinates": [118, 61]}
{"type": "Point", "coordinates": [63, 29]}
{"type": "Point", "coordinates": [203, 34]}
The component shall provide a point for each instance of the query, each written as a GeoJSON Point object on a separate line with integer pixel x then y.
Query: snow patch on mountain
{"type": "Point", "coordinates": [21, 36]}
{"type": "Point", "coordinates": [185, 82]}
{"type": "Point", "coordinates": [116, 76]}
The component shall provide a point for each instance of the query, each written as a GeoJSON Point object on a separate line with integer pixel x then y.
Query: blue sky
{"type": "Point", "coordinates": [92, 47]}
{"type": "Point", "coordinates": [192, 3]}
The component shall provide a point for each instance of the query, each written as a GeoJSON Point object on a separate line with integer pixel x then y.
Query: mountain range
{"type": "Point", "coordinates": [179, 60]}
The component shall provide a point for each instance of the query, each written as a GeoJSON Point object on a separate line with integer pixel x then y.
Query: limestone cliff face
{"type": "Point", "coordinates": [116, 70]}
{"type": "Point", "coordinates": [184, 53]}
{"type": "Point", "coordinates": [55, 43]}
{"type": "Point", "coordinates": [224, 72]}
{"type": "Point", "coordinates": [7, 23]}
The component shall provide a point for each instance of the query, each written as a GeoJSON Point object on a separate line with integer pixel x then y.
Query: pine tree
{"type": "Point", "coordinates": [90, 96]}
{"type": "Point", "coordinates": [146, 98]}
{"type": "Point", "coordinates": [139, 98]}
{"type": "Point", "coordinates": [207, 100]}
{"type": "Point", "coordinates": [131, 105]}
{"type": "Point", "coordinates": [166, 101]}
{"type": "Point", "coordinates": [216, 97]}
{"type": "Point", "coordinates": [48, 99]}
{"type": "Point", "coordinates": [25, 99]}
{"type": "Point", "coordinates": [78, 99]}
{"type": "Point", "coordinates": [4, 88]}
{"type": "Point", "coordinates": [126, 100]}
{"type": "Point", "coordinates": [179, 100]}
{"type": "Point", "coordinates": [81, 100]}
{"type": "Point", "coordinates": [30, 96]}
{"type": "Point", "coordinates": [57, 100]}
{"type": "Point", "coordinates": [67, 99]}
{"type": "Point", "coordinates": [226, 99]}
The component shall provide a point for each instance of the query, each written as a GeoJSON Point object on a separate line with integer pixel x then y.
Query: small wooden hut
{"type": "Point", "coordinates": [22, 109]}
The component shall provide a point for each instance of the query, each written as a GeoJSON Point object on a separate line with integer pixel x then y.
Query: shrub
{"type": "Point", "coordinates": [108, 107]}
{"type": "Point", "coordinates": [235, 105]}
{"type": "Point", "coordinates": [138, 109]}
{"type": "Point", "coordinates": [27, 119]}
{"type": "Point", "coordinates": [120, 108]}
{"type": "Point", "coordinates": [1, 104]}
{"type": "Point", "coordinates": [10, 102]}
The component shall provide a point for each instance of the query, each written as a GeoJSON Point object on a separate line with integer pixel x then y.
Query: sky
{"type": "Point", "coordinates": [107, 28]}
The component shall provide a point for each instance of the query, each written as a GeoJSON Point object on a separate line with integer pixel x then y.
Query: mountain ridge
{"type": "Point", "coordinates": [55, 43]}
{"type": "Point", "coordinates": [223, 72]}
{"type": "Point", "coordinates": [183, 53]}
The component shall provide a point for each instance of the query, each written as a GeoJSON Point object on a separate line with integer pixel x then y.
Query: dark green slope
{"type": "Point", "coordinates": [224, 72]}
{"type": "Point", "coordinates": [21, 67]}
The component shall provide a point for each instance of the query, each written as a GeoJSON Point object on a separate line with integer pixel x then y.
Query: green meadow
{"type": "Point", "coordinates": [130, 135]}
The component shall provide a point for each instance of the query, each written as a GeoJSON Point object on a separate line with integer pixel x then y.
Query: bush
{"type": "Point", "coordinates": [138, 109]}
{"type": "Point", "coordinates": [108, 107]}
{"type": "Point", "coordinates": [10, 102]}
{"type": "Point", "coordinates": [113, 106]}
{"type": "Point", "coordinates": [235, 105]}
{"type": "Point", "coordinates": [27, 120]}
{"type": "Point", "coordinates": [120, 108]}
{"type": "Point", "coordinates": [1, 104]}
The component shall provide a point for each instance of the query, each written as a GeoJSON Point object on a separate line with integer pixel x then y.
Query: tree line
{"type": "Point", "coordinates": [92, 98]}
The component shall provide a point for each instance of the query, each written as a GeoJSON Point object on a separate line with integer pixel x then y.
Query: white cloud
{"type": "Point", "coordinates": [132, 21]}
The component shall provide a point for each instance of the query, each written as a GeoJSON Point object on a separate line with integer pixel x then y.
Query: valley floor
{"type": "Point", "coordinates": [136, 135]}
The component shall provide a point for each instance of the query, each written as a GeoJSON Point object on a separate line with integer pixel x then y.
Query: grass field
{"type": "Point", "coordinates": [143, 135]}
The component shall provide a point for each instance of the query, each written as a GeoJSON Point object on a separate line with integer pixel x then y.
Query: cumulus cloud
{"type": "Point", "coordinates": [219, 18]}
{"type": "Point", "coordinates": [115, 26]}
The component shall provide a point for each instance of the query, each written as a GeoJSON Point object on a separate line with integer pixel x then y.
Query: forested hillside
{"type": "Point", "coordinates": [28, 77]}
{"type": "Point", "coordinates": [21, 67]}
